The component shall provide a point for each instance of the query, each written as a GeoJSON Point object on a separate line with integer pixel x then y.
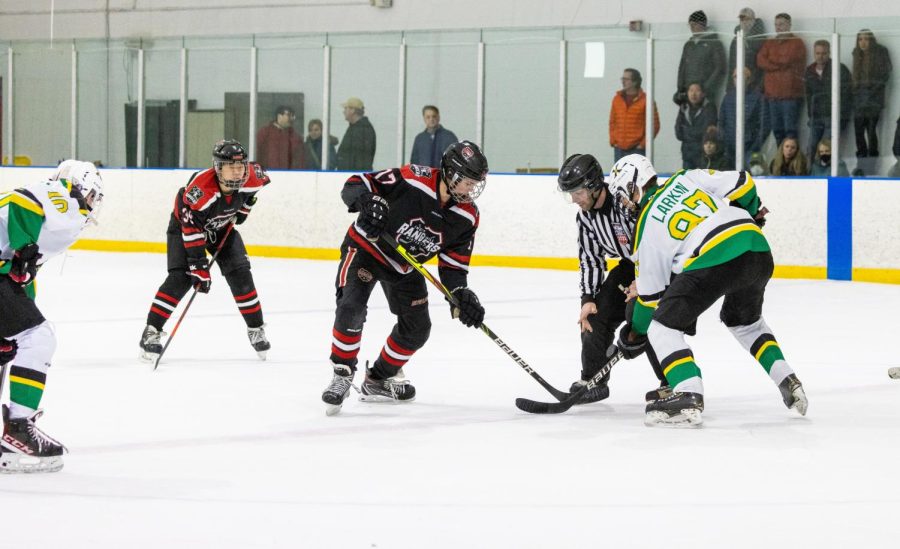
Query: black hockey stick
{"type": "Point", "coordinates": [535, 407]}
{"type": "Point", "coordinates": [557, 394]}
{"type": "Point", "coordinates": [193, 295]}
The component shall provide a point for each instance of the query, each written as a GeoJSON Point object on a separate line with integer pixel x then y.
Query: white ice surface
{"type": "Point", "coordinates": [217, 449]}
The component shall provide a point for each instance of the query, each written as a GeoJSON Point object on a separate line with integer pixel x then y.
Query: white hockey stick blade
{"type": "Point", "coordinates": [894, 373]}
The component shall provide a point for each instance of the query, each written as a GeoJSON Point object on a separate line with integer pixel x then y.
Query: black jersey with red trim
{"type": "Point", "coordinates": [202, 211]}
{"type": "Point", "coordinates": [417, 220]}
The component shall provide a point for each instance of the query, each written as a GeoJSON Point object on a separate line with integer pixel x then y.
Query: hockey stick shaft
{"type": "Point", "coordinates": [534, 407]}
{"type": "Point", "coordinates": [557, 394]}
{"type": "Point", "coordinates": [193, 295]}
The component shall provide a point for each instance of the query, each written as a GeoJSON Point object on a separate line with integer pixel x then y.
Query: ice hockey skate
{"type": "Point", "coordinates": [677, 410]}
{"type": "Point", "coordinates": [27, 449]}
{"type": "Point", "coordinates": [150, 344]}
{"type": "Point", "coordinates": [338, 390]}
{"type": "Point", "coordinates": [662, 391]}
{"type": "Point", "coordinates": [258, 339]}
{"type": "Point", "coordinates": [393, 389]}
{"type": "Point", "coordinates": [793, 395]}
{"type": "Point", "coordinates": [598, 393]}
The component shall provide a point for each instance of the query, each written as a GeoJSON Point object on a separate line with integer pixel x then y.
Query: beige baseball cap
{"type": "Point", "coordinates": [353, 103]}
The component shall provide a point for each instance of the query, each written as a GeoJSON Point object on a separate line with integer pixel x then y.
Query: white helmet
{"type": "Point", "coordinates": [85, 177]}
{"type": "Point", "coordinates": [62, 171]}
{"type": "Point", "coordinates": [630, 174]}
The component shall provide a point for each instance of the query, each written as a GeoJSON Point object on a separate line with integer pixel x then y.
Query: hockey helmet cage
{"type": "Point", "coordinates": [228, 151]}
{"type": "Point", "coordinates": [580, 171]}
{"type": "Point", "coordinates": [464, 160]}
{"type": "Point", "coordinates": [87, 187]}
{"type": "Point", "coordinates": [629, 174]}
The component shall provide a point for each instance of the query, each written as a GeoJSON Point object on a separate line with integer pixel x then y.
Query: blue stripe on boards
{"type": "Point", "coordinates": [840, 228]}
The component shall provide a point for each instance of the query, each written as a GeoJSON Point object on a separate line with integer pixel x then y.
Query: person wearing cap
{"type": "Point", "coordinates": [278, 144]}
{"type": "Point", "coordinates": [702, 60]}
{"type": "Point", "coordinates": [357, 149]}
{"type": "Point", "coordinates": [754, 30]}
{"type": "Point", "coordinates": [783, 61]}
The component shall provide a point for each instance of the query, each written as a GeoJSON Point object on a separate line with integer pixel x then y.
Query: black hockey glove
{"type": "Point", "coordinates": [760, 217]}
{"type": "Point", "coordinates": [241, 216]}
{"type": "Point", "coordinates": [199, 273]}
{"type": "Point", "coordinates": [24, 264]}
{"type": "Point", "coordinates": [469, 312]}
{"type": "Point", "coordinates": [373, 215]}
{"type": "Point", "coordinates": [8, 348]}
{"type": "Point", "coordinates": [630, 343]}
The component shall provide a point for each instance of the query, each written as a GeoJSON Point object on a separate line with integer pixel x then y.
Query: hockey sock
{"type": "Point", "coordinates": [244, 292]}
{"type": "Point", "coordinates": [393, 357]}
{"type": "Point", "coordinates": [28, 373]}
{"type": "Point", "coordinates": [757, 338]}
{"type": "Point", "coordinates": [166, 299]}
{"type": "Point", "coordinates": [678, 365]}
{"type": "Point", "coordinates": [345, 346]}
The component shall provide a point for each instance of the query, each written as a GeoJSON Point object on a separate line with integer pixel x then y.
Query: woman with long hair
{"type": "Point", "coordinates": [871, 73]}
{"type": "Point", "coordinates": [789, 160]}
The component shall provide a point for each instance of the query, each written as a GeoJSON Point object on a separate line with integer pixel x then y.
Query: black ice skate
{"type": "Point", "coordinates": [258, 339]}
{"type": "Point", "coordinates": [677, 409]}
{"type": "Point", "coordinates": [27, 449]}
{"type": "Point", "coordinates": [393, 389]}
{"type": "Point", "coordinates": [338, 390]}
{"type": "Point", "coordinates": [793, 395]}
{"type": "Point", "coordinates": [598, 393]}
{"type": "Point", "coordinates": [662, 391]}
{"type": "Point", "coordinates": [150, 345]}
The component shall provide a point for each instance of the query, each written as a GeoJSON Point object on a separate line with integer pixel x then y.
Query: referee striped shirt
{"type": "Point", "coordinates": [602, 232]}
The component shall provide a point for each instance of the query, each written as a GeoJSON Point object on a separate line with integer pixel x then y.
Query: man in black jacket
{"type": "Point", "coordinates": [357, 149]}
{"type": "Point", "coordinates": [817, 80]}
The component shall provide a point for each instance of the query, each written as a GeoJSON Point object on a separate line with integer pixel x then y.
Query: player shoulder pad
{"type": "Point", "coordinates": [421, 174]}
{"type": "Point", "coordinates": [202, 190]}
{"type": "Point", "coordinates": [469, 211]}
{"type": "Point", "coordinates": [257, 180]}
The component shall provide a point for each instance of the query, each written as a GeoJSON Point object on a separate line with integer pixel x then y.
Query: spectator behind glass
{"type": "Point", "coordinates": [817, 81]}
{"type": "Point", "coordinates": [314, 146]}
{"type": "Point", "coordinates": [871, 73]}
{"type": "Point", "coordinates": [357, 149]}
{"type": "Point", "coordinates": [429, 146]}
{"type": "Point", "coordinates": [278, 146]}
{"type": "Point", "coordinates": [754, 30]}
{"type": "Point", "coordinates": [694, 119]}
{"type": "Point", "coordinates": [783, 60]}
{"type": "Point", "coordinates": [821, 165]}
{"type": "Point", "coordinates": [789, 160]}
{"type": "Point", "coordinates": [713, 157]}
{"type": "Point", "coordinates": [627, 128]}
{"type": "Point", "coordinates": [753, 108]}
{"type": "Point", "coordinates": [702, 60]}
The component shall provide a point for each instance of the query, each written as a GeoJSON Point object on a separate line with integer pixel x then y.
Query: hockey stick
{"type": "Point", "coordinates": [535, 407]}
{"type": "Point", "coordinates": [193, 295]}
{"type": "Point", "coordinates": [557, 394]}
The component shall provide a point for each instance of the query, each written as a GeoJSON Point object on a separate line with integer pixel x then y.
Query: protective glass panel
{"type": "Point", "coordinates": [366, 67]}
{"type": "Point", "coordinates": [289, 80]}
{"type": "Point", "coordinates": [521, 100]}
{"type": "Point", "coordinates": [42, 104]}
{"type": "Point", "coordinates": [162, 94]}
{"type": "Point", "coordinates": [218, 95]}
{"type": "Point", "coordinates": [441, 70]}
{"type": "Point", "coordinates": [4, 103]}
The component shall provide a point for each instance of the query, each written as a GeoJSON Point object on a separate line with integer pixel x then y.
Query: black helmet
{"type": "Point", "coordinates": [580, 171]}
{"type": "Point", "coordinates": [464, 160]}
{"type": "Point", "coordinates": [229, 151]}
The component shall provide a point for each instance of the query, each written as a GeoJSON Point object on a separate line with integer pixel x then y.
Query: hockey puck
{"type": "Point", "coordinates": [894, 373]}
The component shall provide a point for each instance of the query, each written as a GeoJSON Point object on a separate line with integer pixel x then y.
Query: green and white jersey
{"type": "Point", "coordinates": [697, 219]}
{"type": "Point", "coordinates": [43, 213]}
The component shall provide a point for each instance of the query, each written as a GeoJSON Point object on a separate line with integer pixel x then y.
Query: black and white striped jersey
{"type": "Point", "coordinates": [602, 232]}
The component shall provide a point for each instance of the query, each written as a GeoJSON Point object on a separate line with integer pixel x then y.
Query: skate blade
{"type": "Point", "coordinates": [380, 399]}
{"type": "Point", "coordinates": [13, 462]}
{"type": "Point", "coordinates": [261, 355]}
{"type": "Point", "coordinates": [894, 373]}
{"type": "Point", "coordinates": [148, 357]}
{"type": "Point", "coordinates": [800, 403]}
{"type": "Point", "coordinates": [687, 418]}
{"type": "Point", "coordinates": [332, 409]}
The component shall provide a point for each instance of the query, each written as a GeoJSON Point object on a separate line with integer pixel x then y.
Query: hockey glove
{"type": "Point", "coordinates": [469, 312]}
{"type": "Point", "coordinates": [373, 215]}
{"type": "Point", "coordinates": [8, 348]}
{"type": "Point", "coordinates": [242, 214]}
{"type": "Point", "coordinates": [24, 264]}
{"type": "Point", "coordinates": [760, 217]}
{"type": "Point", "coordinates": [199, 273]}
{"type": "Point", "coordinates": [630, 343]}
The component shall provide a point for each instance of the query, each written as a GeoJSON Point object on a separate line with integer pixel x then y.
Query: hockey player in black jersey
{"type": "Point", "coordinates": [429, 212]}
{"type": "Point", "coordinates": [204, 209]}
{"type": "Point", "coordinates": [603, 232]}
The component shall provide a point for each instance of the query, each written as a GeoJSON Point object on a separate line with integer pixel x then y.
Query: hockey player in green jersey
{"type": "Point", "coordinates": [697, 239]}
{"type": "Point", "coordinates": [37, 222]}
